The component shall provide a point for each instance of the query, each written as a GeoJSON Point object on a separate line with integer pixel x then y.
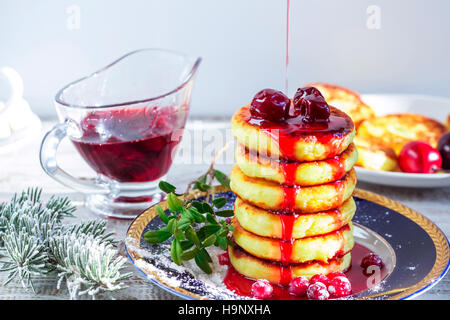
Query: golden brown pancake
{"type": "Point", "coordinates": [374, 156]}
{"type": "Point", "coordinates": [291, 139]}
{"type": "Point", "coordinates": [270, 224]}
{"type": "Point", "coordinates": [346, 100]}
{"type": "Point", "coordinates": [319, 248]}
{"type": "Point", "coordinates": [256, 268]}
{"type": "Point", "coordinates": [395, 130]}
{"type": "Point", "coordinates": [273, 196]}
{"type": "Point", "coordinates": [299, 173]}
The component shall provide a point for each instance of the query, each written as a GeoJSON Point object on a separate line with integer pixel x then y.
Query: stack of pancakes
{"type": "Point", "coordinates": [294, 206]}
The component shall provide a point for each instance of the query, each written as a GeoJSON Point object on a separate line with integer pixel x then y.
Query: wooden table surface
{"type": "Point", "coordinates": [20, 169]}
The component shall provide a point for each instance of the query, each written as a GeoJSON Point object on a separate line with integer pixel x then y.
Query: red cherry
{"type": "Point", "coordinates": [224, 259]}
{"type": "Point", "coordinates": [298, 286]}
{"type": "Point", "coordinates": [444, 149]}
{"type": "Point", "coordinates": [310, 103]}
{"type": "Point", "coordinates": [270, 104]}
{"type": "Point", "coordinates": [319, 278]}
{"type": "Point", "coordinates": [317, 291]}
{"type": "Point", "coordinates": [371, 259]}
{"type": "Point", "coordinates": [419, 157]}
{"type": "Point", "coordinates": [340, 287]}
{"type": "Point", "coordinates": [262, 289]}
{"type": "Point", "coordinates": [336, 274]}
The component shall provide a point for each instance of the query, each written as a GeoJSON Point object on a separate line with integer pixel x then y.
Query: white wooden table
{"type": "Point", "coordinates": [21, 169]}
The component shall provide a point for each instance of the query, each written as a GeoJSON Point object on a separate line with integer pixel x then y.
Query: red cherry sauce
{"type": "Point", "coordinates": [242, 285]}
{"type": "Point", "coordinates": [131, 145]}
{"type": "Point", "coordinates": [286, 133]}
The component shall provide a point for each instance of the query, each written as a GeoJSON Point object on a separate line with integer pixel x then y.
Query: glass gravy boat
{"type": "Point", "coordinates": [126, 121]}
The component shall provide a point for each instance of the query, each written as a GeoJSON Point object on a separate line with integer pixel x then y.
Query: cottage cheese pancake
{"type": "Point", "coordinates": [273, 196]}
{"type": "Point", "coordinates": [299, 173]}
{"type": "Point", "coordinates": [273, 225]}
{"type": "Point", "coordinates": [294, 139]}
{"type": "Point", "coordinates": [274, 272]}
{"type": "Point", "coordinates": [319, 248]}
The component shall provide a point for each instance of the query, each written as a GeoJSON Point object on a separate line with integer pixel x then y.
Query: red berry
{"type": "Point", "coordinates": [419, 157]}
{"type": "Point", "coordinates": [262, 289]}
{"type": "Point", "coordinates": [319, 278]}
{"type": "Point", "coordinates": [336, 274]}
{"type": "Point", "coordinates": [310, 103]}
{"type": "Point", "coordinates": [371, 259]}
{"type": "Point", "coordinates": [298, 286]}
{"type": "Point", "coordinates": [224, 259]}
{"type": "Point", "coordinates": [444, 149]}
{"type": "Point", "coordinates": [269, 104]}
{"type": "Point", "coordinates": [340, 287]}
{"type": "Point", "coordinates": [317, 291]}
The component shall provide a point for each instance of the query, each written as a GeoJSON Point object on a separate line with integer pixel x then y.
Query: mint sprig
{"type": "Point", "coordinates": [194, 225]}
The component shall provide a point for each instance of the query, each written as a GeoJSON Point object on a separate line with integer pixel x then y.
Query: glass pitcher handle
{"type": "Point", "coordinates": [47, 156]}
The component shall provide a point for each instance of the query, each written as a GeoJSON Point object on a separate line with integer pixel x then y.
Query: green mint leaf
{"type": "Point", "coordinates": [207, 208]}
{"type": "Point", "coordinates": [219, 202]}
{"type": "Point", "coordinates": [209, 241]}
{"type": "Point", "coordinates": [207, 230]}
{"type": "Point", "coordinates": [225, 213]}
{"type": "Point", "coordinates": [222, 178]}
{"type": "Point", "coordinates": [192, 235]}
{"type": "Point", "coordinates": [222, 242]}
{"type": "Point", "coordinates": [175, 204]}
{"type": "Point", "coordinates": [205, 253]}
{"type": "Point", "coordinates": [186, 244]}
{"type": "Point", "coordinates": [179, 235]}
{"type": "Point", "coordinates": [184, 223]}
{"type": "Point", "coordinates": [172, 226]}
{"type": "Point", "coordinates": [210, 218]}
{"type": "Point", "coordinates": [166, 187]}
{"type": "Point", "coordinates": [162, 215]}
{"type": "Point", "coordinates": [175, 251]}
{"type": "Point", "coordinates": [188, 255]}
{"type": "Point", "coordinates": [157, 236]}
{"type": "Point", "coordinates": [201, 186]}
{"type": "Point", "coordinates": [198, 205]}
{"type": "Point", "coordinates": [202, 262]}
{"type": "Point", "coordinates": [198, 217]}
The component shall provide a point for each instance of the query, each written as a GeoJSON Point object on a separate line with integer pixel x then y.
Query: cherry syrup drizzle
{"type": "Point", "coordinates": [242, 285]}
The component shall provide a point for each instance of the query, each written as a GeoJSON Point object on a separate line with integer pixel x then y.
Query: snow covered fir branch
{"type": "Point", "coordinates": [34, 242]}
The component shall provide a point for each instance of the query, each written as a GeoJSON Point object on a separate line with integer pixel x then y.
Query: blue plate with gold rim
{"type": "Point", "coordinates": [415, 251]}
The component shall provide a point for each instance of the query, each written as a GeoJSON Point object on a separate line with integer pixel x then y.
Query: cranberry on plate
{"type": "Point", "coordinates": [309, 103]}
{"type": "Point", "coordinates": [319, 278]}
{"type": "Point", "coordinates": [298, 286]}
{"type": "Point", "coordinates": [339, 287]}
{"type": "Point", "coordinates": [270, 104]}
{"type": "Point", "coordinates": [262, 289]}
{"type": "Point", "coordinates": [369, 260]}
{"type": "Point", "coordinates": [317, 291]}
{"type": "Point", "coordinates": [419, 157]}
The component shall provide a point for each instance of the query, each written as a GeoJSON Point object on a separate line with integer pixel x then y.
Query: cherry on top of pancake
{"type": "Point", "coordinates": [339, 123]}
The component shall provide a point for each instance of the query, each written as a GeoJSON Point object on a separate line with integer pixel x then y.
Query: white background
{"type": "Point", "coordinates": [242, 43]}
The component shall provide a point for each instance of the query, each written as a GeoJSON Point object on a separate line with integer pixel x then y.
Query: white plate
{"type": "Point", "coordinates": [437, 108]}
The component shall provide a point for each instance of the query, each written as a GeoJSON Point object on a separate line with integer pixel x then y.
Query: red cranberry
{"type": "Point", "coordinates": [262, 289]}
{"type": "Point", "coordinates": [319, 278]}
{"type": "Point", "coordinates": [371, 259]}
{"type": "Point", "coordinates": [224, 259]}
{"type": "Point", "coordinates": [419, 157]}
{"type": "Point", "coordinates": [317, 291]}
{"type": "Point", "coordinates": [336, 274]}
{"type": "Point", "coordinates": [310, 103]}
{"type": "Point", "coordinates": [444, 149]}
{"type": "Point", "coordinates": [339, 287]}
{"type": "Point", "coordinates": [270, 104]}
{"type": "Point", "coordinates": [298, 286]}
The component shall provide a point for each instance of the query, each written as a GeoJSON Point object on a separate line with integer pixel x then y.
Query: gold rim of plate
{"type": "Point", "coordinates": [439, 240]}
